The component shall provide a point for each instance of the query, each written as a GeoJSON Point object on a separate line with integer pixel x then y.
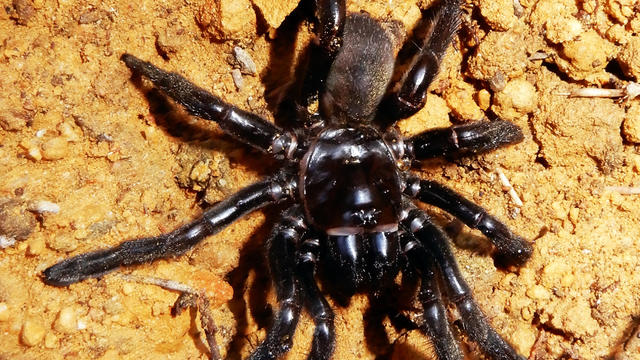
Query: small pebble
{"type": "Point", "coordinates": [44, 206]}
{"type": "Point", "coordinates": [247, 66]}
{"type": "Point", "coordinates": [67, 321]}
{"type": "Point", "coordinates": [516, 99]}
{"type": "Point", "coordinates": [50, 341]}
{"type": "Point", "coordinates": [54, 149]}
{"type": "Point", "coordinates": [237, 79]}
{"type": "Point", "coordinates": [629, 58]}
{"type": "Point", "coordinates": [631, 124]}
{"type": "Point", "coordinates": [4, 311]}
{"type": "Point", "coordinates": [35, 247]}
{"type": "Point", "coordinates": [538, 292]}
{"type": "Point", "coordinates": [6, 242]}
{"type": "Point", "coordinates": [32, 333]}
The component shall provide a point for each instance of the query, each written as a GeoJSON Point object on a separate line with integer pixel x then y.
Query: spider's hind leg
{"type": "Point", "coordinates": [323, 342]}
{"type": "Point", "coordinates": [281, 251]}
{"type": "Point", "coordinates": [436, 324]}
{"type": "Point", "coordinates": [475, 324]}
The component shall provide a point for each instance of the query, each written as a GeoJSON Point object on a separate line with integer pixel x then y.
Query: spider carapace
{"type": "Point", "coordinates": [349, 217]}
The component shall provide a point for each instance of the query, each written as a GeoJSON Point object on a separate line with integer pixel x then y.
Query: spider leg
{"type": "Point", "coordinates": [436, 324]}
{"type": "Point", "coordinates": [410, 95]}
{"type": "Point", "coordinates": [281, 250]}
{"type": "Point", "coordinates": [243, 125]}
{"type": "Point", "coordinates": [459, 140]}
{"type": "Point", "coordinates": [323, 342]}
{"type": "Point", "coordinates": [97, 263]}
{"type": "Point", "coordinates": [474, 321]}
{"type": "Point", "coordinates": [329, 16]}
{"type": "Point", "coordinates": [511, 248]}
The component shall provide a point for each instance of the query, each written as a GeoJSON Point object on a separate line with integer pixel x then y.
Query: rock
{"type": "Point", "coordinates": [631, 124]}
{"type": "Point", "coordinates": [499, 14]}
{"type": "Point", "coordinates": [227, 19]}
{"type": "Point", "coordinates": [499, 52]}
{"type": "Point", "coordinates": [244, 60]}
{"type": "Point", "coordinates": [586, 57]}
{"type": "Point", "coordinates": [15, 221]}
{"type": "Point", "coordinates": [54, 149]}
{"type": "Point", "coordinates": [629, 58]}
{"type": "Point", "coordinates": [516, 99]}
{"type": "Point", "coordinates": [32, 333]}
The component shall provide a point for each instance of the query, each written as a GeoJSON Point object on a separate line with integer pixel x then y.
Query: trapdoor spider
{"type": "Point", "coordinates": [350, 215]}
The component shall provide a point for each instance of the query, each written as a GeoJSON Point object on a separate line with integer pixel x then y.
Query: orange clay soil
{"type": "Point", "coordinates": [87, 161]}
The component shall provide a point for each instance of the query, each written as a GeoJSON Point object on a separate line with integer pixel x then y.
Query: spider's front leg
{"type": "Point", "coordinates": [511, 248]}
{"type": "Point", "coordinates": [474, 322]}
{"type": "Point", "coordinates": [410, 95]}
{"type": "Point", "coordinates": [243, 125]}
{"type": "Point", "coordinates": [466, 139]}
{"type": "Point", "coordinates": [97, 263]}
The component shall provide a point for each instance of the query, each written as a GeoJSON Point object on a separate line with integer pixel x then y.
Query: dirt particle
{"type": "Point", "coordinates": [629, 58]}
{"type": "Point", "coordinates": [562, 29]}
{"type": "Point", "coordinates": [244, 60]}
{"type": "Point", "coordinates": [11, 120]}
{"type": "Point", "coordinates": [55, 149]}
{"type": "Point", "coordinates": [15, 221]}
{"type": "Point", "coordinates": [518, 98]}
{"type": "Point", "coordinates": [499, 51]}
{"type": "Point", "coordinates": [50, 341]}
{"type": "Point", "coordinates": [631, 124]}
{"type": "Point", "coordinates": [23, 11]}
{"type": "Point", "coordinates": [36, 246]}
{"type": "Point", "coordinates": [227, 19]}
{"type": "Point", "coordinates": [499, 14]}
{"type": "Point", "coordinates": [91, 16]}
{"type": "Point", "coordinates": [4, 311]}
{"type": "Point", "coordinates": [586, 58]}
{"type": "Point", "coordinates": [63, 243]}
{"type": "Point", "coordinates": [67, 321]}
{"type": "Point", "coordinates": [460, 99]}
{"type": "Point", "coordinates": [168, 42]}
{"type": "Point", "coordinates": [32, 333]}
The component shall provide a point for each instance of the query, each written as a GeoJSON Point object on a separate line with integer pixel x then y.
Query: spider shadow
{"type": "Point", "coordinates": [176, 122]}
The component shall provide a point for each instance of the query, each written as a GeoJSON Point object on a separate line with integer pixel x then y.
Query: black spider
{"type": "Point", "coordinates": [350, 210]}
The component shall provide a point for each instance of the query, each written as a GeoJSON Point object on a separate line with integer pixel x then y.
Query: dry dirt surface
{"type": "Point", "coordinates": [90, 157]}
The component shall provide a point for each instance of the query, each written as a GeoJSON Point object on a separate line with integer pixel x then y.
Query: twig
{"type": "Point", "coordinates": [624, 190]}
{"type": "Point", "coordinates": [629, 92]}
{"type": "Point", "coordinates": [507, 185]}
{"type": "Point", "coordinates": [189, 298]}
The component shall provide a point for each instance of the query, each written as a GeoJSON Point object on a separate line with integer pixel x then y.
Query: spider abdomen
{"type": "Point", "coordinates": [365, 196]}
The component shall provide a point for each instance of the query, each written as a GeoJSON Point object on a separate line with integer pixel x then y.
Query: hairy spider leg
{"type": "Point", "coordinates": [466, 139]}
{"type": "Point", "coordinates": [323, 342]}
{"type": "Point", "coordinates": [243, 125]}
{"type": "Point", "coordinates": [410, 95]}
{"type": "Point", "coordinates": [97, 263]}
{"type": "Point", "coordinates": [282, 254]}
{"type": "Point", "coordinates": [330, 17]}
{"type": "Point", "coordinates": [436, 323]}
{"type": "Point", "coordinates": [474, 322]}
{"type": "Point", "coordinates": [511, 249]}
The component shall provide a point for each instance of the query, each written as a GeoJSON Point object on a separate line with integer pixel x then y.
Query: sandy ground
{"type": "Point", "coordinates": [87, 161]}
